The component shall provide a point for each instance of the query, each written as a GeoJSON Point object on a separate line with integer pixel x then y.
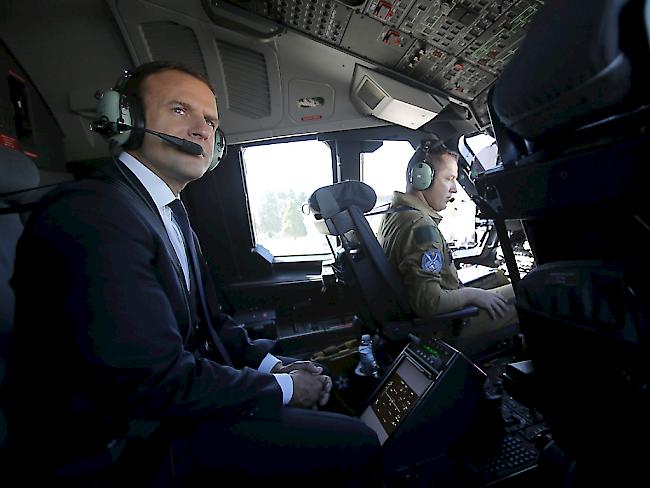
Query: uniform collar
{"type": "Point", "coordinates": [400, 198]}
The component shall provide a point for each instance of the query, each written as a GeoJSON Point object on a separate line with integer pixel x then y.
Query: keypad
{"type": "Point", "coordinates": [515, 454]}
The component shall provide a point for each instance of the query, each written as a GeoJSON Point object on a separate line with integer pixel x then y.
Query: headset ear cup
{"type": "Point", "coordinates": [421, 176]}
{"type": "Point", "coordinates": [219, 151]}
{"type": "Point", "coordinates": [116, 108]}
{"type": "Point", "coordinates": [216, 158]}
{"type": "Point", "coordinates": [132, 106]}
{"type": "Point", "coordinates": [110, 110]}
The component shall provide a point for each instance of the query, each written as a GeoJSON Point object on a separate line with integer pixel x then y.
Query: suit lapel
{"type": "Point", "coordinates": [142, 202]}
{"type": "Point", "coordinates": [148, 208]}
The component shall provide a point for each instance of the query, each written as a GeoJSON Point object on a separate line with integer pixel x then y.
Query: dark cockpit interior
{"type": "Point", "coordinates": [561, 89]}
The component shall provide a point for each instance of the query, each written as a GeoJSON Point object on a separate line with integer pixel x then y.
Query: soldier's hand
{"type": "Point", "coordinates": [493, 303]}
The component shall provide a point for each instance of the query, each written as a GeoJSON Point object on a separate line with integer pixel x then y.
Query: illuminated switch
{"type": "Point", "coordinates": [384, 9]}
{"type": "Point", "coordinates": [392, 38]}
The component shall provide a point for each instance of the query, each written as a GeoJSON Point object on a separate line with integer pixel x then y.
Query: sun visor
{"type": "Point", "coordinates": [388, 99]}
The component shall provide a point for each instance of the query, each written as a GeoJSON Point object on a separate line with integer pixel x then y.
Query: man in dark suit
{"type": "Point", "coordinates": [123, 364]}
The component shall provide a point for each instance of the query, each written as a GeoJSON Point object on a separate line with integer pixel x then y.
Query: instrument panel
{"type": "Point", "coordinates": [457, 46]}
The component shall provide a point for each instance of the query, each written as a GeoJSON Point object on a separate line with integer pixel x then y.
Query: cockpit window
{"type": "Point", "coordinates": [458, 223]}
{"type": "Point", "coordinates": [480, 151]}
{"type": "Point", "coordinates": [279, 180]}
{"type": "Point", "coordinates": [385, 171]}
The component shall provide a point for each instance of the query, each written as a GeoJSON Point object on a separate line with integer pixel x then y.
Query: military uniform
{"type": "Point", "coordinates": [415, 246]}
{"type": "Point", "coordinates": [413, 243]}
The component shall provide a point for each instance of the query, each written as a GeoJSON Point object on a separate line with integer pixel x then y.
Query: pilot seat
{"type": "Point", "coordinates": [361, 266]}
{"type": "Point", "coordinates": [570, 114]}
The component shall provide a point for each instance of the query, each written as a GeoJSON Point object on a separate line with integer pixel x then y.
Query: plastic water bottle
{"type": "Point", "coordinates": [367, 365]}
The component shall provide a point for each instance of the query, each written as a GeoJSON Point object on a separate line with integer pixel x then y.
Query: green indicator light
{"type": "Point", "coordinates": [431, 350]}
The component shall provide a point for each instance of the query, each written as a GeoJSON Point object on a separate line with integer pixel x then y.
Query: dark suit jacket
{"type": "Point", "coordinates": [104, 335]}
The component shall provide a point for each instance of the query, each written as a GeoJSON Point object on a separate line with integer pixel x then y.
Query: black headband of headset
{"type": "Point", "coordinates": [420, 154]}
{"type": "Point", "coordinates": [426, 146]}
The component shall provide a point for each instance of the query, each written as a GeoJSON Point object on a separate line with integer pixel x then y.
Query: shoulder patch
{"type": "Point", "coordinates": [432, 261]}
{"type": "Point", "coordinates": [425, 234]}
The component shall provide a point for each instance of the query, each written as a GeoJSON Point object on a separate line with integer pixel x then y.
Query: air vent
{"type": "Point", "coordinates": [169, 41]}
{"type": "Point", "coordinates": [247, 80]}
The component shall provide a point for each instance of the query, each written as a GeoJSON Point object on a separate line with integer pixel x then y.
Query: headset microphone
{"type": "Point", "coordinates": [184, 145]}
{"type": "Point", "coordinates": [104, 127]}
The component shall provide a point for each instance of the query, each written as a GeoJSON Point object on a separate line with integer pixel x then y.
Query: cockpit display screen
{"type": "Point", "coordinates": [394, 401]}
{"type": "Point", "coordinates": [398, 394]}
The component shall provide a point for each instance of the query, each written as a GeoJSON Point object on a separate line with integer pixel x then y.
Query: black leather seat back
{"type": "Point", "coordinates": [18, 173]}
{"type": "Point", "coordinates": [580, 62]}
{"type": "Point", "coordinates": [362, 263]}
{"type": "Point", "coordinates": [570, 114]}
{"type": "Point", "coordinates": [586, 326]}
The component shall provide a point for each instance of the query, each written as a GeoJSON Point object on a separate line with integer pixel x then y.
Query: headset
{"type": "Point", "coordinates": [421, 174]}
{"type": "Point", "coordinates": [121, 120]}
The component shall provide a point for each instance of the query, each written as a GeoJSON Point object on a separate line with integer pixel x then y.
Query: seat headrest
{"type": "Point", "coordinates": [17, 170]}
{"type": "Point", "coordinates": [330, 200]}
{"type": "Point", "coordinates": [569, 70]}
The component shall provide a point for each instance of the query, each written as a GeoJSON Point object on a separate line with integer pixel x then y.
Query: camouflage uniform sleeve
{"type": "Point", "coordinates": [421, 262]}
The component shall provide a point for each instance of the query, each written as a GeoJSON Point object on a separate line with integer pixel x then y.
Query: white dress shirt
{"type": "Point", "coordinates": [162, 196]}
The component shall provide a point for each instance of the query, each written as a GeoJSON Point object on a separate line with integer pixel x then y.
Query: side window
{"type": "Point", "coordinates": [385, 171]}
{"type": "Point", "coordinates": [480, 151]}
{"type": "Point", "coordinates": [459, 218]}
{"type": "Point", "coordinates": [458, 223]}
{"type": "Point", "coordinates": [279, 180]}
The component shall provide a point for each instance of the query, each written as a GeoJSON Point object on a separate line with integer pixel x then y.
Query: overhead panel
{"type": "Point", "coordinates": [479, 108]}
{"type": "Point", "coordinates": [458, 46]}
{"type": "Point", "coordinates": [463, 46]}
{"type": "Point", "coordinates": [374, 40]}
{"type": "Point", "coordinates": [390, 12]}
{"type": "Point", "coordinates": [450, 25]}
{"type": "Point", "coordinates": [459, 78]}
{"type": "Point", "coordinates": [493, 48]}
{"type": "Point", "coordinates": [324, 19]}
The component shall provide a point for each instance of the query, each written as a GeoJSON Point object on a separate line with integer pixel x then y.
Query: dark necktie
{"type": "Point", "coordinates": [181, 218]}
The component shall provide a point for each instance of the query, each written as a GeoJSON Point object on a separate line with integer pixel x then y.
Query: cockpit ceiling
{"type": "Point", "coordinates": [457, 46]}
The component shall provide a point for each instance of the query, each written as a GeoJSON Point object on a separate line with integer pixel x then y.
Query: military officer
{"type": "Point", "coordinates": [412, 241]}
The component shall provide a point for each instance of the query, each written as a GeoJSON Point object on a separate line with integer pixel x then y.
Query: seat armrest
{"type": "Point", "coordinates": [398, 330]}
{"type": "Point", "coordinates": [468, 311]}
{"type": "Point", "coordinates": [458, 319]}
